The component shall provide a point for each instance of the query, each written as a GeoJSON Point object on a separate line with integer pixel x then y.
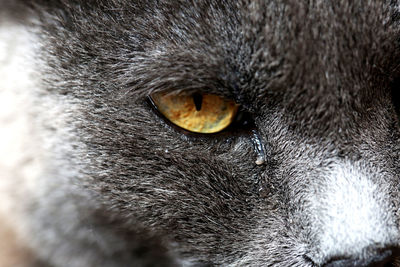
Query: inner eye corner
{"type": "Point", "coordinates": [197, 112]}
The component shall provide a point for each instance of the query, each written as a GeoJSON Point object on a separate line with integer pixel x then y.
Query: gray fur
{"type": "Point", "coordinates": [118, 186]}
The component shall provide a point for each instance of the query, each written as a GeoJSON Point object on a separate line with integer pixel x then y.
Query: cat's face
{"type": "Point", "coordinates": [309, 176]}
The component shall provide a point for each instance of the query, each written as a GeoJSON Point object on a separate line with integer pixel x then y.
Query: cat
{"type": "Point", "coordinates": [93, 173]}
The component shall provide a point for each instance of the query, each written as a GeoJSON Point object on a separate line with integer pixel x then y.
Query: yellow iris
{"type": "Point", "coordinates": [199, 113]}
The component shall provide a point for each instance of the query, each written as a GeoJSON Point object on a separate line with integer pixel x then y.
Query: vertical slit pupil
{"type": "Point", "coordinates": [198, 100]}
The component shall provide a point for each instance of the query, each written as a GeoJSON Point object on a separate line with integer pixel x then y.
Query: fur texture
{"type": "Point", "coordinates": [92, 176]}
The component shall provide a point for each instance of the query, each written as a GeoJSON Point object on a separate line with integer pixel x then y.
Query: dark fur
{"type": "Point", "coordinates": [319, 79]}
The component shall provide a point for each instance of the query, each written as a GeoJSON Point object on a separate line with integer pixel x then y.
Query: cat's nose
{"type": "Point", "coordinates": [379, 258]}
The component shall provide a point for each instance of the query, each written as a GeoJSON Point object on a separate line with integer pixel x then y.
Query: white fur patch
{"type": "Point", "coordinates": [353, 212]}
{"type": "Point", "coordinates": [34, 139]}
{"type": "Point", "coordinates": [16, 83]}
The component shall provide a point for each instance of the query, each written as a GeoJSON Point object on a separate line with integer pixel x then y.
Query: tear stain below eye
{"type": "Point", "coordinates": [258, 147]}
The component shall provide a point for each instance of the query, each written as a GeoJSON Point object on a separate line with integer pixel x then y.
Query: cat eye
{"type": "Point", "coordinates": [195, 112]}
